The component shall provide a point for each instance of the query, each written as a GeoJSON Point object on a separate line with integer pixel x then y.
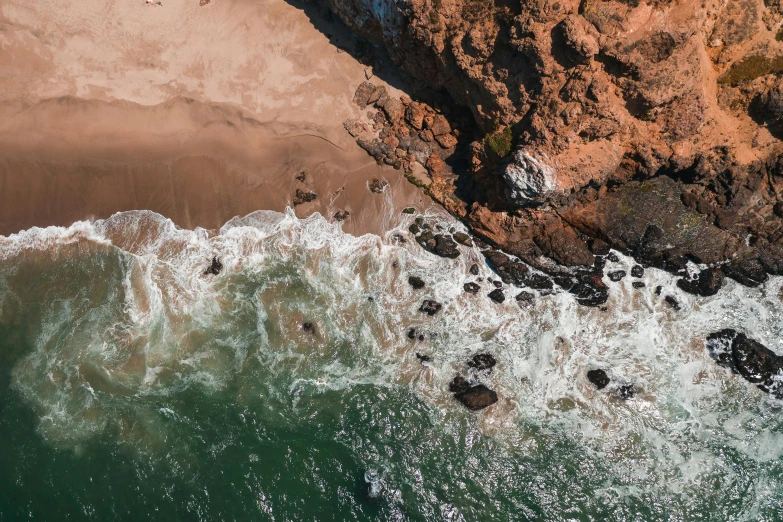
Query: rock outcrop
{"type": "Point", "coordinates": [654, 126]}
{"type": "Point", "coordinates": [752, 360]}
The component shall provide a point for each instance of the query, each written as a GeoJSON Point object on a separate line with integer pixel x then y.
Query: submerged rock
{"type": "Point", "coordinates": [215, 267]}
{"type": "Point", "coordinates": [472, 288]}
{"type": "Point", "coordinates": [599, 378]}
{"type": "Point", "coordinates": [302, 197]}
{"type": "Point", "coordinates": [482, 361]}
{"type": "Point", "coordinates": [459, 384]}
{"type": "Point", "coordinates": [626, 391]}
{"type": "Point", "coordinates": [377, 186]}
{"type": "Point", "coordinates": [477, 397]}
{"type": "Point", "coordinates": [430, 307]}
{"type": "Point", "coordinates": [523, 297]}
{"type": "Point", "coordinates": [672, 301]}
{"type": "Point", "coordinates": [423, 358]}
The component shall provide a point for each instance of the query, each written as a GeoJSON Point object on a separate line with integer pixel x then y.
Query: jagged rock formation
{"type": "Point", "coordinates": [653, 125]}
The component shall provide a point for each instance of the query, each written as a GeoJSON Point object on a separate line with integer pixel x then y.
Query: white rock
{"type": "Point", "coordinates": [528, 179]}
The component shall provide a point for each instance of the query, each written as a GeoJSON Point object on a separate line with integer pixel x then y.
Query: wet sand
{"type": "Point", "coordinates": [198, 113]}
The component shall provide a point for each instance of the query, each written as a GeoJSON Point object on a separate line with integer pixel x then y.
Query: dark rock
{"type": "Point", "coordinates": [707, 283]}
{"type": "Point", "coordinates": [459, 384]}
{"type": "Point", "coordinates": [719, 346]}
{"type": "Point", "coordinates": [301, 176]}
{"type": "Point", "coordinates": [778, 209]}
{"type": "Point", "coordinates": [444, 246]}
{"type": "Point", "coordinates": [214, 267]}
{"type": "Point", "coordinates": [377, 186]}
{"type": "Point", "coordinates": [474, 269]}
{"type": "Point", "coordinates": [611, 256]}
{"type": "Point", "coordinates": [463, 239]}
{"type": "Point", "coordinates": [409, 210]}
{"type": "Point", "coordinates": [414, 229]}
{"type": "Point", "coordinates": [637, 271]}
{"type": "Point", "coordinates": [599, 378]}
{"type": "Point", "coordinates": [524, 297]}
{"type": "Point", "coordinates": [411, 333]}
{"type": "Point", "coordinates": [341, 215]}
{"type": "Point", "coordinates": [599, 263]}
{"type": "Point", "coordinates": [538, 282]}
{"type": "Point", "coordinates": [498, 284]}
{"type": "Point", "coordinates": [751, 359]}
{"type": "Point", "coordinates": [304, 197]}
{"type": "Point", "coordinates": [399, 239]}
{"type": "Point", "coordinates": [416, 282]}
{"type": "Point", "coordinates": [423, 358]}
{"type": "Point", "coordinates": [477, 397]}
{"type": "Point", "coordinates": [308, 327]}
{"type": "Point", "coordinates": [471, 288]}
{"type": "Point", "coordinates": [598, 247]}
{"type": "Point", "coordinates": [748, 272]}
{"type": "Point", "coordinates": [430, 307]}
{"type": "Point", "coordinates": [671, 301]}
{"type": "Point", "coordinates": [626, 391]}
{"type": "Point", "coordinates": [616, 275]}
{"type": "Point", "coordinates": [638, 284]}
{"type": "Point", "coordinates": [497, 295]}
{"type": "Point", "coordinates": [482, 361]}
{"type": "Point", "coordinates": [658, 290]}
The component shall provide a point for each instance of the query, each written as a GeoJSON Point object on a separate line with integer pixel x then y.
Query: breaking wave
{"type": "Point", "coordinates": [304, 331]}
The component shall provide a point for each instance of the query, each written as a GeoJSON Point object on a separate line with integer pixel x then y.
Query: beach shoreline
{"type": "Point", "coordinates": [198, 113]}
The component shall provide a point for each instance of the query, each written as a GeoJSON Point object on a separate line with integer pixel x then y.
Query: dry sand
{"type": "Point", "coordinates": [198, 113]}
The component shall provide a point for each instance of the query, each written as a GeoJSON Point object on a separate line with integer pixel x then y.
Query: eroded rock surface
{"type": "Point", "coordinates": [654, 126]}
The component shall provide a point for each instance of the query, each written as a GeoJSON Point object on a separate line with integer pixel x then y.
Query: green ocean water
{"type": "Point", "coordinates": [132, 387]}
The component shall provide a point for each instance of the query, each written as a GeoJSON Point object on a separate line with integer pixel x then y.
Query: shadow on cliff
{"type": "Point", "coordinates": [384, 68]}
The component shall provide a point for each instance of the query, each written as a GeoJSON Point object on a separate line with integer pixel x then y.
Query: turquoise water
{"type": "Point", "coordinates": [134, 387]}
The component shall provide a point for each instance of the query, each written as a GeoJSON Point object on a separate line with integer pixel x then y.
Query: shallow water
{"type": "Point", "coordinates": [132, 386]}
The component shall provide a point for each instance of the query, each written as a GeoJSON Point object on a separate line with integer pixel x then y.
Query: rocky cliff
{"type": "Point", "coordinates": [652, 126]}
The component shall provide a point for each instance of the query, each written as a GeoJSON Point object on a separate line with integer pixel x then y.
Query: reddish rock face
{"type": "Point", "coordinates": [578, 103]}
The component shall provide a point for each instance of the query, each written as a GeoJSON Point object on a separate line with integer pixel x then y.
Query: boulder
{"type": "Point", "coordinates": [637, 271]}
{"type": "Point", "coordinates": [430, 307]}
{"type": "Point", "coordinates": [416, 282]}
{"type": "Point", "coordinates": [497, 295]}
{"type": "Point", "coordinates": [477, 397]}
{"type": "Point", "coordinates": [599, 378]}
{"type": "Point", "coordinates": [749, 358]}
{"type": "Point", "coordinates": [474, 269]}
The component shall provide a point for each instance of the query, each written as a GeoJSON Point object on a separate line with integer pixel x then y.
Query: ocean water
{"type": "Point", "coordinates": [134, 387]}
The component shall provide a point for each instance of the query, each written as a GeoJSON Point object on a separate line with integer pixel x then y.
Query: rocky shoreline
{"type": "Point", "coordinates": [590, 127]}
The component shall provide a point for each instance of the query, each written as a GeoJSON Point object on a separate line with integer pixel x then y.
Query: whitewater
{"type": "Point", "coordinates": [286, 387]}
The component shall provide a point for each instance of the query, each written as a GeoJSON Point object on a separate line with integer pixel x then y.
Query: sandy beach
{"type": "Point", "coordinates": [200, 113]}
